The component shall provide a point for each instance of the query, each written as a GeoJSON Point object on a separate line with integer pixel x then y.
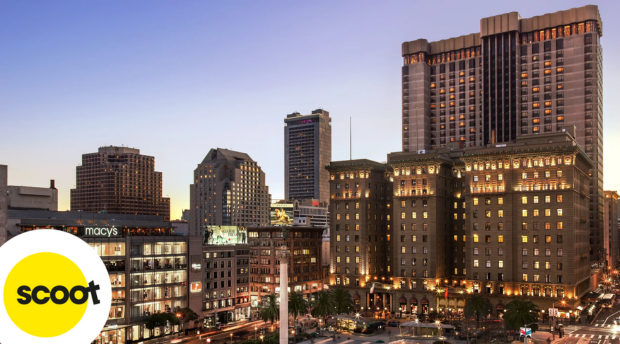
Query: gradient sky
{"type": "Point", "coordinates": [176, 78]}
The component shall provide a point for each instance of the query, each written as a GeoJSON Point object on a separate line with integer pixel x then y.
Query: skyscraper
{"type": "Point", "coordinates": [517, 76]}
{"type": "Point", "coordinates": [229, 190]}
{"type": "Point", "coordinates": [119, 180]}
{"type": "Point", "coordinates": [307, 150]}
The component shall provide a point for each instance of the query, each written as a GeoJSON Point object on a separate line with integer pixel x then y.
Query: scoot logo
{"type": "Point", "coordinates": [52, 297]}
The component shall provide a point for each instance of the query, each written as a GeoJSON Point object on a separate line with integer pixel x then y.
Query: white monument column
{"type": "Point", "coordinates": [284, 256]}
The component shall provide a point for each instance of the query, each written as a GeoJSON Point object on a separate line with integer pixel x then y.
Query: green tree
{"type": "Point", "coordinates": [477, 306]}
{"type": "Point", "coordinates": [186, 315]}
{"type": "Point", "coordinates": [343, 301]}
{"type": "Point", "coordinates": [324, 305]}
{"type": "Point", "coordinates": [297, 305]}
{"type": "Point", "coordinates": [520, 312]}
{"type": "Point", "coordinates": [161, 320]}
{"type": "Point", "coordinates": [270, 309]}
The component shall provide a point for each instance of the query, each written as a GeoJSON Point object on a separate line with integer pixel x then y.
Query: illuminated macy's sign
{"type": "Point", "coordinates": [101, 231]}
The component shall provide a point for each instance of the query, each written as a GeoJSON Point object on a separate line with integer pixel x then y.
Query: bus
{"type": "Point", "coordinates": [608, 300]}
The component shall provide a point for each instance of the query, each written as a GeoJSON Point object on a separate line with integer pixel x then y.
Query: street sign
{"type": "Point", "coordinates": [525, 331]}
{"type": "Point", "coordinates": [553, 312]}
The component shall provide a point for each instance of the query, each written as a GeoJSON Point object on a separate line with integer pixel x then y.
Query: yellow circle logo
{"type": "Point", "coordinates": [46, 294]}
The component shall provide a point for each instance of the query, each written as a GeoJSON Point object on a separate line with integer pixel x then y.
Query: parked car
{"type": "Point", "coordinates": [393, 324]}
{"type": "Point", "coordinates": [222, 326]}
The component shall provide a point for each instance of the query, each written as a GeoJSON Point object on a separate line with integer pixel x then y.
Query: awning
{"type": "Point", "coordinates": [500, 307]}
{"type": "Point", "coordinates": [424, 302]}
{"type": "Point", "coordinates": [402, 300]}
{"type": "Point", "coordinates": [356, 296]}
{"type": "Point", "coordinates": [414, 301]}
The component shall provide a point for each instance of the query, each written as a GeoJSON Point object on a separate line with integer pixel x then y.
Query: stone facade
{"type": "Point", "coordinates": [611, 234]}
{"type": "Point", "coordinates": [517, 76]}
{"type": "Point", "coordinates": [501, 220]}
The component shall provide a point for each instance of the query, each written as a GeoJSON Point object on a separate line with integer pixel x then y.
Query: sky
{"type": "Point", "coordinates": [177, 78]}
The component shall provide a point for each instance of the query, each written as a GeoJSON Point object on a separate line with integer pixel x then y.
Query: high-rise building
{"type": "Point", "coordinates": [307, 150]}
{"type": "Point", "coordinates": [119, 180]}
{"type": "Point", "coordinates": [611, 233]}
{"type": "Point", "coordinates": [517, 76]}
{"type": "Point", "coordinates": [503, 220]}
{"type": "Point", "coordinates": [229, 190]}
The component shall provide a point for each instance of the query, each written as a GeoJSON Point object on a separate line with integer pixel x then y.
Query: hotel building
{"type": "Point", "coordinates": [425, 230]}
{"type": "Point", "coordinates": [307, 150]}
{"type": "Point", "coordinates": [119, 180]}
{"type": "Point", "coordinates": [517, 76]}
{"type": "Point", "coordinates": [229, 190]}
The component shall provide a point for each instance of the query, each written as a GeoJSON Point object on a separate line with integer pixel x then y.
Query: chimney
{"type": "Point", "coordinates": [52, 184]}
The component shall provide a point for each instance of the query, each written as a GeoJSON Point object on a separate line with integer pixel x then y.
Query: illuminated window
{"type": "Point", "coordinates": [475, 237]}
{"type": "Point", "coordinates": [500, 213]}
{"type": "Point", "coordinates": [559, 212]}
{"type": "Point", "coordinates": [523, 199]}
{"type": "Point", "coordinates": [536, 105]}
{"type": "Point", "coordinates": [535, 89]}
{"type": "Point", "coordinates": [536, 120]}
{"type": "Point", "coordinates": [547, 71]}
{"type": "Point", "coordinates": [524, 75]}
{"type": "Point", "coordinates": [547, 63]}
{"type": "Point", "coordinates": [559, 225]}
{"type": "Point", "coordinates": [500, 200]}
{"type": "Point", "coordinates": [524, 238]}
{"type": "Point", "coordinates": [475, 200]}
{"type": "Point", "coordinates": [547, 212]}
{"type": "Point", "coordinates": [524, 212]}
{"type": "Point", "coordinates": [500, 238]}
{"type": "Point", "coordinates": [560, 70]}
{"type": "Point", "coordinates": [547, 104]}
{"type": "Point", "coordinates": [558, 198]}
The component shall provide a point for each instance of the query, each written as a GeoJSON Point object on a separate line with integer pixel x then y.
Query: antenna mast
{"type": "Point", "coordinates": [350, 140]}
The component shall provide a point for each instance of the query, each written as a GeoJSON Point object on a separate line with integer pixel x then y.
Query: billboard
{"type": "Point", "coordinates": [225, 235]}
{"type": "Point", "coordinates": [281, 214]}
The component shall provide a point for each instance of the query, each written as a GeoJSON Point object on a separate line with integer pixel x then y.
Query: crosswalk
{"type": "Point", "coordinates": [592, 336]}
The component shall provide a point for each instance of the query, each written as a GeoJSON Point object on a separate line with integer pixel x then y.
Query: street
{"type": "Point", "coordinates": [601, 331]}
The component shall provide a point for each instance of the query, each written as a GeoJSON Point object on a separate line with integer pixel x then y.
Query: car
{"type": "Point", "coordinates": [222, 326]}
{"type": "Point", "coordinates": [393, 324]}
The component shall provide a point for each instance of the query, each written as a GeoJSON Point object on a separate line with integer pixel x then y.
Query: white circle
{"type": "Point", "coordinates": [80, 253]}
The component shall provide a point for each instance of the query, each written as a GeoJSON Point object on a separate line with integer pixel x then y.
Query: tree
{"type": "Point", "coordinates": [161, 320]}
{"type": "Point", "coordinates": [520, 312]}
{"type": "Point", "coordinates": [186, 315]}
{"type": "Point", "coordinates": [324, 305]}
{"type": "Point", "coordinates": [297, 305]}
{"type": "Point", "coordinates": [477, 306]}
{"type": "Point", "coordinates": [270, 309]}
{"type": "Point", "coordinates": [342, 301]}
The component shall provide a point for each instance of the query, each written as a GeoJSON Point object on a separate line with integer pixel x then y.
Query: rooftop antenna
{"type": "Point", "coordinates": [350, 140]}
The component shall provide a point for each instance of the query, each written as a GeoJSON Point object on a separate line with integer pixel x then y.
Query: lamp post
{"type": "Point", "coordinates": [255, 329]}
{"type": "Point", "coordinates": [294, 338]}
{"type": "Point", "coordinates": [231, 338]}
{"type": "Point", "coordinates": [261, 338]}
{"type": "Point", "coordinates": [208, 340]}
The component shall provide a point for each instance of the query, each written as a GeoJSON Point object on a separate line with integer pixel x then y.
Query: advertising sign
{"type": "Point", "coordinates": [553, 312]}
{"type": "Point", "coordinates": [225, 235]}
{"type": "Point", "coordinates": [196, 287]}
{"type": "Point", "coordinates": [281, 214]}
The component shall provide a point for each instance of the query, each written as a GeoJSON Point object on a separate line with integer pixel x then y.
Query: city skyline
{"type": "Point", "coordinates": [53, 70]}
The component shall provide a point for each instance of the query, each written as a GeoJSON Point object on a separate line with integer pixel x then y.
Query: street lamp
{"type": "Point", "coordinates": [261, 338]}
{"type": "Point", "coordinates": [294, 337]}
{"type": "Point", "coordinates": [231, 338]}
{"type": "Point", "coordinates": [255, 329]}
{"type": "Point", "coordinates": [208, 340]}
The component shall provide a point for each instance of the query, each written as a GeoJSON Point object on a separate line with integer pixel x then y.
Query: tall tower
{"type": "Point", "coordinates": [119, 180]}
{"type": "Point", "coordinates": [517, 76]}
{"type": "Point", "coordinates": [229, 190]}
{"type": "Point", "coordinates": [307, 150]}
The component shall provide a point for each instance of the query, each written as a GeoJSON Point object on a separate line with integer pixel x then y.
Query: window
{"type": "Point", "coordinates": [547, 238]}
{"type": "Point", "coordinates": [475, 263]}
{"type": "Point", "coordinates": [558, 198]}
{"type": "Point", "coordinates": [500, 251]}
{"type": "Point", "coordinates": [559, 212]}
{"type": "Point", "coordinates": [524, 238]}
{"type": "Point", "coordinates": [558, 225]}
{"type": "Point", "coordinates": [559, 239]}
{"type": "Point", "coordinates": [560, 252]}
{"type": "Point", "coordinates": [547, 199]}
{"type": "Point", "coordinates": [523, 199]}
{"type": "Point", "coordinates": [500, 238]}
{"type": "Point", "coordinates": [524, 212]}
{"type": "Point", "coordinates": [524, 252]}
{"type": "Point", "coordinates": [487, 264]}
{"type": "Point", "coordinates": [500, 200]}
{"type": "Point", "coordinates": [475, 200]}
{"type": "Point", "coordinates": [475, 237]}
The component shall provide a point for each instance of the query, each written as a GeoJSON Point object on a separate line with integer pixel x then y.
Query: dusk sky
{"type": "Point", "coordinates": [176, 78]}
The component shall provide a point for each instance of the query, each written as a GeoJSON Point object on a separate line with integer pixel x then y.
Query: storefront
{"type": "Point", "coordinates": [112, 335]}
